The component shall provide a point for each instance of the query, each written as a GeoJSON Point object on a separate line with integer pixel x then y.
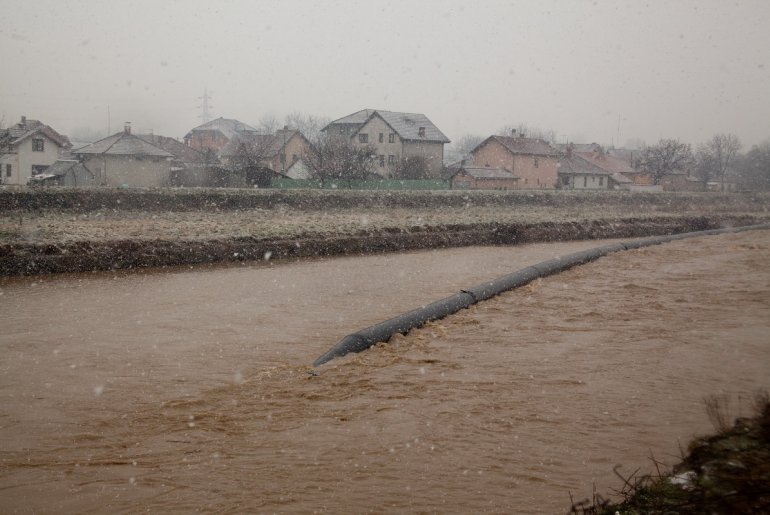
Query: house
{"type": "Point", "coordinates": [189, 167]}
{"type": "Point", "coordinates": [216, 134]}
{"type": "Point", "coordinates": [279, 152]}
{"type": "Point", "coordinates": [124, 159]}
{"type": "Point", "coordinates": [65, 172]}
{"type": "Point", "coordinates": [482, 178]}
{"type": "Point", "coordinates": [575, 173]}
{"type": "Point", "coordinates": [395, 136]}
{"type": "Point", "coordinates": [27, 149]}
{"type": "Point", "coordinates": [533, 161]}
{"type": "Point", "coordinates": [622, 173]}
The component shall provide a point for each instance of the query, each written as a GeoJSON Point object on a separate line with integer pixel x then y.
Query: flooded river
{"type": "Point", "coordinates": [189, 390]}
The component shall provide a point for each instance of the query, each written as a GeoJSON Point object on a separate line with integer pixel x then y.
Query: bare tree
{"type": "Point", "coordinates": [755, 167]}
{"type": "Point", "coordinates": [719, 153]}
{"type": "Point", "coordinates": [268, 124]}
{"type": "Point", "coordinates": [248, 161]}
{"type": "Point", "coordinates": [412, 168]}
{"type": "Point", "coordinates": [704, 166]}
{"type": "Point", "coordinates": [339, 159]}
{"type": "Point", "coordinates": [665, 157]}
{"type": "Point", "coordinates": [461, 147]}
{"type": "Point", "coordinates": [309, 125]}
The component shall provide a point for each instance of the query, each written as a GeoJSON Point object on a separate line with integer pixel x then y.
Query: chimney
{"type": "Point", "coordinates": [513, 133]}
{"type": "Point", "coordinates": [569, 149]}
{"type": "Point", "coordinates": [127, 128]}
{"type": "Point", "coordinates": [23, 121]}
{"type": "Point", "coordinates": [286, 127]}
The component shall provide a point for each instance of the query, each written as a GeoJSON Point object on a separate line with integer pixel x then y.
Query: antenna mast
{"type": "Point", "coordinates": [205, 115]}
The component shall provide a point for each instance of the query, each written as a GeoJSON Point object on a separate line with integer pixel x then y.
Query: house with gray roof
{"type": "Point", "coordinates": [395, 136]}
{"type": "Point", "coordinates": [124, 159]}
{"type": "Point", "coordinates": [216, 134]}
{"type": "Point", "coordinates": [27, 149]}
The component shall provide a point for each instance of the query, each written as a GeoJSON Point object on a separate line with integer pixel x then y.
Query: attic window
{"type": "Point", "coordinates": [38, 145]}
{"type": "Point", "coordinates": [421, 132]}
{"type": "Point", "coordinates": [392, 137]}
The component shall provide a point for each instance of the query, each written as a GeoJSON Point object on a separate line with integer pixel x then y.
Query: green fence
{"type": "Point", "coordinates": [375, 184]}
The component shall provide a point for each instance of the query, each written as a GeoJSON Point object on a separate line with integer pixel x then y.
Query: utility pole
{"type": "Point", "coordinates": [205, 116]}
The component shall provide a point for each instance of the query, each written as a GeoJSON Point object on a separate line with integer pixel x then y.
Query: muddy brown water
{"type": "Point", "coordinates": [188, 390]}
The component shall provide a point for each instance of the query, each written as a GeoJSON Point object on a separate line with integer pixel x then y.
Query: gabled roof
{"type": "Point", "coordinates": [575, 164]}
{"type": "Point", "coordinates": [406, 125]}
{"type": "Point", "coordinates": [229, 127]}
{"type": "Point", "coordinates": [520, 145]}
{"type": "Point", "coordinates": [18, 132]}
{"type": "Point", "coordinates": [62, 166]}
{"type": "Point", "coordinates": [606, 162]}
{"type": "Point", "coordinates": [358, 118]}
{"type": "Point", "coordinates": [184, 153]}
{"type": "Point", "coordinates": [123, 144]}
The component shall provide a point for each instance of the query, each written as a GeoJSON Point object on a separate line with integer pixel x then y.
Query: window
{"type": "Point", "coordinates": [342, 130]}
{"type": "Point", "coordinates": [391, 160]}
{"type": "Point", "coordinates": [8, 169]}
{"type": "Point", "coordinates": [382, 160]}
{"type": "Point", "coordinates": [391, 137]}
{"type": "Point", "coordinates": [294, 158]}
{"type": "Point", "coordinates": [363, 138]}
{"type": "Point", "coordinates": [585, 181]}
{"type": "Point", "coordinates": [39, 169]}
{"type": "Point", "coordinates": [38, 145]}
{"type": "Point", "coordinates": [537, 163]}
{"type": "Point", "coordinates": [421, 132]}
{"type": "Point", "coordinates": [382, 137]}
{"type": "Point", "coordinates": [601, 181]}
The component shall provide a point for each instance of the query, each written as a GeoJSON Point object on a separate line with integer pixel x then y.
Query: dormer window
{"type": "Point", "coordinates": [421, 132]}
{"type": "Point", "coordinates": [38, 145]}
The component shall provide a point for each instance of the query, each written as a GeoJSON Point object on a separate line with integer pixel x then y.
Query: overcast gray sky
{"type": "Point", "coordinates": [590, 70]}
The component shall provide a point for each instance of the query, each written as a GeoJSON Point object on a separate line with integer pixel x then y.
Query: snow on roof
{"type": "Point", "coordinates": [229, 127]}
{"type": "Point", "coordinates": [123, 144]}
{"type": "Point", "coordinates": [521, 145]}
{"type": "Point", "coordinates": [406, 125]}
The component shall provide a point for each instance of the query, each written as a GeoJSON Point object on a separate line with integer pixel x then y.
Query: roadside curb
{"type": "Point", "coordinates": [369, 336]}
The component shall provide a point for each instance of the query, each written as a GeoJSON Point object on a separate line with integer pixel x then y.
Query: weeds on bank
{"type": "Point", "coordinates": [728, 472]}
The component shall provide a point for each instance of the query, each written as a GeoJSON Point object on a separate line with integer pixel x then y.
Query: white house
{"type": "Point", "coordinates": [27, 149]}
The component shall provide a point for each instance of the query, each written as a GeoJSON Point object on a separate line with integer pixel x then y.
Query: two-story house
{"type": "Point", "coordinates": [394, 136]}
{"type": "Point", "coordinates": [27, 149]}
{"type": "Point", "coordinates": [533, 162]}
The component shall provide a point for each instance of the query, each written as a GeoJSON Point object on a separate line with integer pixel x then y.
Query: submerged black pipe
{"type": "Point", "coordinates": [365, 338]}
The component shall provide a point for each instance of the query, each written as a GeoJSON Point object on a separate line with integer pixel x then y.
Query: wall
{"type": "Point", "coordinates": [373, 128]}
{"type": "Point", "coordinates": [586, 181]}
{"type": "Point", "coordinates": [24, 158]}
{"type": "Point", "coordinates": [543, 176]}
{"type": "Point", "coordinates": [463, 181]}
{"type": "Point", "coordinates": [129, 171]}
{"type": "Point", "coordinates": [432, 151]}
